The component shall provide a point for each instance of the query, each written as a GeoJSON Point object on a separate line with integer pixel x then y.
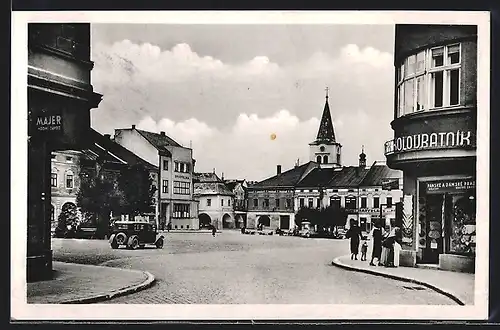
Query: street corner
{"type": "Point", "coordinates": [86, 284]}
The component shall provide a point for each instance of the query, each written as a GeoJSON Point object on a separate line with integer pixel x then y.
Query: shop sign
{"type": "Point", "coordinates": [389, 184]}
{"type": "Point", "coordinates": [438, 187]}
{"type": "Point", "coordinates": [49, 123]}
{"type": "Point", "coordinates": [185, 177]}
{"type": "Point", "coordinates": [425, 141]}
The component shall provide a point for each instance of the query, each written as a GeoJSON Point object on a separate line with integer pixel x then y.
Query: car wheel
{"type": "Point", "coordinates": [159, 243]}
{"type": "Point", "coordinates": [121, 239]}
{"type": "Point", "coordinates": [133, 242]}
{"type": "Point", "coordinates": [114, 245]}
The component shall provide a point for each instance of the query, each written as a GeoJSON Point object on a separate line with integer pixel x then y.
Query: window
{"type": "Point", "coordinates": [335, 201]}
{"type": "Point", "coordinates": [165, 186]}
{"type": "Point", "coordinates": [266, 202]}
{"type": "Point", "coordinates": [277, 202]}
{"type": "Point", "coordinates": [53, 179]}
{"type": "Point", "coordinates": [182, 167]}
{"type": "Point", "coordinates": [318, 159]}
{"type": "Point", "coordinates": [255, 202]}
{"type": "Point", "coordinates": [229, 202]}
{"type": "Point", "coordinates": [310, 202]}
{"type": "Point", "coordinates": [181, 211]}
{"type": "Point", "coordinates": [429, 79]}
{"type": "Point", "coordinates": [376, 202]}
{"type": "Point", "coordinates": [69, 159]}
{"type": "Point", "coordinates": [222, 202]}
{"type": "Point", "coordinates": [389, 201]}
{"type": "Point", "coordinates": [52, 156]}
{"type": "Point", "coordinates": [363, 202]}
{"type": "Point", "coordinates": [182, 188]}
{"type": "Point", "coordinates": [338, 158]}
{"type": "Point", "coordinates": [70, 184]}
{"type": "Point", "coordinates": [209, 202]}
{"type": "Point", "coordinates": [165, 165]}
{"type": "Point", "coordinates": [288, 203]}
{"type": "Point", "coordinates": [318, 203]}
{"type": "Point", "coordinates": [176, 166]}
{"type": "Point", "coordinates": [301, 202]}
{"type": "Point", "coordinates": [350, 202]}
{"type": "Point", "coordinates": [325, 159]}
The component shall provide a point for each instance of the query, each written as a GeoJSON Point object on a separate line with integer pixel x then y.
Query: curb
{"type": "Point", "coordinates": [338, 263]}
{"type": "Point", "coordinates": [150, 280]}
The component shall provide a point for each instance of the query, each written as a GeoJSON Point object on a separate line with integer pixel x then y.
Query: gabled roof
{"type": "Point", "coordinates": [120, 151]}
{"type": "Point", "coordinates": [159, 141]}
{"type": "Point", "coordinates": [318, 177]}
{"type": "Point", "coordinates": [378, 173]}
{"type": "Point", "coordinates": [289, 178]}
{"type": "Point", "coordinates": [209, 184]}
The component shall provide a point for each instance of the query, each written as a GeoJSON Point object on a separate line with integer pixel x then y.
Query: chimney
{"type": "Point", "coordinates": [107, 136]}
{"type": "Point", "coordinates": [162, 133]}
{"type": "Point", "coordinates": [278, 169]}
{"type": "Point", "coordinates": [133, 126]}
{"type": "Point", "coordinates": [222, 177]}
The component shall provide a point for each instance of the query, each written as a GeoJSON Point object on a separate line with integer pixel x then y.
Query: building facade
{"type": "Point", "coordinates": [216, 201]}
{"type": "Point", "coordinates": [239, 188]}
{"type": "Point", "coordinates": [434, 143]}
{"type": "Point", "coordinates": [60, 96]}
{"type": "Point", "coordinates": [175, 180]}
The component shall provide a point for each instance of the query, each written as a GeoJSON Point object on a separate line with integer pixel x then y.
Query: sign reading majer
{"type": "Point", "coordinates": [423, 141]}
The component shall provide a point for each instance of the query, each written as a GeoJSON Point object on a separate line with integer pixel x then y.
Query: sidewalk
{"type": "Point", "coordinates": [455, 285]}
{"type": "Point", "coordinates": [85, 284]}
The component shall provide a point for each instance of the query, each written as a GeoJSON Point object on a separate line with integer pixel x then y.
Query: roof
{"type": "Point", "coordinates": [318, 177]}
{"type": "Point", "coordinates": [159, 141]}
{"type": "Point", "coordinates": [350, 176]}
{"type": "Point", "coordinates": [326, 133]}
{"type": "Point", "coordinates": [289, 178]}
{"type": "Point", "coordinates": [377, 174]}
{"type": "Point", "coordinates": [209, 184]}
{"type": "Point", "coordinates": [120, 151]}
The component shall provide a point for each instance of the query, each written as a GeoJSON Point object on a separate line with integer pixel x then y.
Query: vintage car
{"type": "Point", "coordinates": [134, 234]}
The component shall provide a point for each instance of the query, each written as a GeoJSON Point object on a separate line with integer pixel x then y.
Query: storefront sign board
{"type": "Point", "coordinates": [440, 187]}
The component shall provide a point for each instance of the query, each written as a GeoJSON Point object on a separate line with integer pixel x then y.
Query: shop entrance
{"type": "Point", "coordinates": [447, 219]}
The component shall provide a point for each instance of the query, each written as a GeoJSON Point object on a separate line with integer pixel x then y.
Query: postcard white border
{"type": "Point", "coordinates": [22, 311]}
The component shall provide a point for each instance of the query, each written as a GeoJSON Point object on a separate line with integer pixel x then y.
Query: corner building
{"type": "Point", "coordinates": [435, 143]}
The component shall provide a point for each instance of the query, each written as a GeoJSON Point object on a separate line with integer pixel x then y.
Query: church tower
{"type": "Point", "coordinates": [362, 157]}
{"type": "Point", "coordinates": [325, 150]}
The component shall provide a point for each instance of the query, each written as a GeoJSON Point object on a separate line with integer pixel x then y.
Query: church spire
{"type": "Point", "coordinates": [326, 132]}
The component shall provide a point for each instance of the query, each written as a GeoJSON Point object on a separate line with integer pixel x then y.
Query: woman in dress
{"type": "Point", "coordinates": [354, 233]}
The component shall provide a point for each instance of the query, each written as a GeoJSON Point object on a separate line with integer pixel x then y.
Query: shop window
{"type": "Point", "coordinates": [429, 79]}
{"type": "Point", "coordinates": [463, 224]}
{"type": "Point", "coordinates": [181, 211]}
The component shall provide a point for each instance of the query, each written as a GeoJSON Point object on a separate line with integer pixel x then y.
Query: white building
{"type": "Point", "coordinates": [175, 180]}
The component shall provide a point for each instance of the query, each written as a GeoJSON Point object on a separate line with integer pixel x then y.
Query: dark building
{"type": "Point", "coordinates": [435, 143]}
{"type": "Point", "coordinates": [60, 96]}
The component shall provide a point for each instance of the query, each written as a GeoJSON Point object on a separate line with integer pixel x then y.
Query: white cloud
{"type": "Point", "coordinates": [229, 110]}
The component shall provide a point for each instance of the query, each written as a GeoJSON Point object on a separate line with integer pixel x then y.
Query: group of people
{"type": "Point", "coordinates": [385, 248]}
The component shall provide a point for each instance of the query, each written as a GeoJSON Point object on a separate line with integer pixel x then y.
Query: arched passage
{"type": "Point", "coordinates": [264, 220]}
{"type": "Point", "coordinates": [205, 220]}
{"type": "Point", "coordinates": [239, 221]}
{"type": "Point", "coordinates": [226, 221]}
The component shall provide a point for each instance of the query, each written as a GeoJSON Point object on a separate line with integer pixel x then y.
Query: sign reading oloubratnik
{"type": "Point", "coordinates": [439, 187]}
{"type": "Point", "coordinates": [424, 141]}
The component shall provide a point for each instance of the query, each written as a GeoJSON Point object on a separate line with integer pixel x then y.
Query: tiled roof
{"type": "Point", "coordinates": [120, 151]}
{"type": "Point", "coordinates": [318, 177]}
{"type": "Point", "coordinates": [209, 184]}
{"type": "Point", "coordinates": [289, 178]}
{"type": "Point", "coordinates": [350, 176]}
{"type": "Point", "coordinates": [159, 141]}
{"type": "Point", "coordinates": [378, 173]}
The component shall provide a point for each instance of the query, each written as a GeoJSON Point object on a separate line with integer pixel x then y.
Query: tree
{"type": "Point", "coordinates": [99, 195]}
{"type": "Point", "coordinates": [67, 221]}
{"type": "Point", "coordinates": [307, 214]}
{"type": "Point", "coordinates": [138, 190]}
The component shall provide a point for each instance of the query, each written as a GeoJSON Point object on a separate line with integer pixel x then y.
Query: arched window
{"type": "Point", "coordinates": [325, 159]}
{"type": "Point", "coordinates": [70, 180]}
{"type": "Point", "coordinates": [318, 159]}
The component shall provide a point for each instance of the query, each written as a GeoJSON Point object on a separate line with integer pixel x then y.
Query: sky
{"type": "Point", "coordinates": [226, 89]}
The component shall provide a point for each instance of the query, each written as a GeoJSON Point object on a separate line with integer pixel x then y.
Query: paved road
{"type": "Point", "coordinates": [241, 269]}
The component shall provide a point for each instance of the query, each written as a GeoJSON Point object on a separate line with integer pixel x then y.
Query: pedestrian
{"type": "Point", "coordinates": [214, 230]}
{"type": "Point", "coordinates": [364, 250]}
{"type": "Point", "coordinates": [377, 243]}
{"type": "Point", "coordinates": [169, 227]}
{"type": "Point", "coordinates": [388, 244]}
{"type": "Point", "coordinates": [354, 233]}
